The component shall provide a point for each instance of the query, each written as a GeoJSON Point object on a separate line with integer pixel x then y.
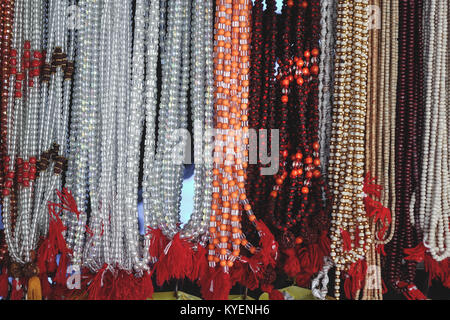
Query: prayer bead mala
{"type": "Point", "coordinates": [326, 65]}
{"type": "Point", "coordinates": [296, 210]}
{"type": "Point", "coordinates": [7, 53]}
{"type": "Point", "coordinates": [432, 219]}
{"type": "Point", "coordinates": [408, 139]}
{"type": "Point", "coordinates": [167, 159]}
{"type": "Point", "coordinates": [350, 232]}
{"type": "Point", "coordinates": [231, 54]}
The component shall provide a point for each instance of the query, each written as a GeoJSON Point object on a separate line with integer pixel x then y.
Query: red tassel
{"type": "Point", "coordinates": [17, 292]}
{"type": "Point", "coordinates": [45, 286]}
{"type": "Point", "coordinates": [446, 279]}
{"type": "Point", "coordinates": [68, 202]}
{"type": "Point", "coordinates": [346, 241]}
{"type": "Point", "coordinates": [95, 289]}
{"type": "Point", "coordinates": [308, 259]}
{"type": "Point", "coordinates": [348, 287]}
{"type": "Point", "coordinates": [269, 247]}
{"type": "Point", "coordinates": [304, 257]}
{"type": "Point", "coordinates": [47, 256]}
{"type": "Point", "coordinates": [123, 286]}
{"type": "Point", "coordinates": [55, 242]}
{"type": "Point", "coordinates": [253, 264]}
{"type": "Point", "coordinates": [324, 244]}
{"type": "Point", "coordinates": [216, 285]}
{"type": "Point", "coordinates": [385, 289]}
{"type": "Point", "coordinates": [147, 286]}
{"type": "Point", "coordinates": [416, 254]}
{"type": "Point", "coordinates": [252, 279]}
{"type": "Point", "coordinates": [157, 243]}
{"type": "Point", "coordinates": [370, 188]}
{"type": "Point", "coordinates": [175, 262]}
{"type": "Point", "coordinates": [380, 249]}
{"type": "Point", "coordinates": [276, 295]}
{"type": "Point", "coordinates": [410, 291]}
{"type": "Point", "coordinates": [303, 279]}
{"type": "Point", "coordinates": [291, 265]}
{"type": "Point", "coordinates": [315, 258]}
{"type": "Point", "coordinates": [355, 280]}
{"type": "Point", "coordinates": [437, 270]}
{"type": "Point", "coordinates": [114, 287]}
{"type": "Point", "coordinates": [375, 208]}
{"type": "Point", "coordinates": [4, 284]}
{"type": "Point", "coordinates": [273, 293]}
{"type": "Point", "coordinates": [58, 239]}
{"type": "Point", "coordinates": [239, 273]}
{"type": "Point", "coordinates": [61, 273]}
{"type": "Point", "coordinates": [200, 265]}
{"type": "Point", "coordinates": [372, 207]}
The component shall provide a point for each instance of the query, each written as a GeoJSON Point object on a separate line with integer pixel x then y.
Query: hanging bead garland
{"type": "Point", "coordinates": [296, 209]}
{"type": "Point", "coordinates": [230, 155]}
{"type": "Point", "coordinates": [350, 232]}
{"type": "Point", "coordinates": [408, 138]}
{"type": "Point", "coordinates": [6, 73]}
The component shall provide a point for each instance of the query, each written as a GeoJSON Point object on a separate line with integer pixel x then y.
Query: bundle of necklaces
{"type": "Point", "coordinates": [285, 96]}
{"type": "Point", "coordinates": [318, 133]}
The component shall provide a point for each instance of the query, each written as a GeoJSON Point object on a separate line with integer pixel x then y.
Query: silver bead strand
{"type": "Point", "coordinates": [45, 118]}
{"type": "Point", "coordinates": [177, 164]}
{"type": "Point", "coordinates": [198, 67]}
{"type": "Point", "coordinates": [158, 178]}
{"type": "Point", "coordinates": [97, 251]}
{"type": "Point", "coordinates": [80, 152]}
{"type": "Point", "coordinates": [91, 245]}
{"type": "Point", "coordinates": [48, 182]}
{"type": "Point", "coordinates": [152, 41]}
{"type": "Point", "coordinates": [209, 123]}
{"type": "Point", "coordinates": [135, 126]}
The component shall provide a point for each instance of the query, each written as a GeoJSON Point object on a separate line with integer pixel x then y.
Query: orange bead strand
{"type": "Point", "coordinates": [232, 64]}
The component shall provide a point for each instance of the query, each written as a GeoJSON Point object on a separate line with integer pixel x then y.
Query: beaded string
{"type": "Point", "coordinates": [186, 57]}
{"type": "Point", "coordinates": [326, 79]}
{"type": "Point", "coordinates": [230, 153]}
{"type": "Point", "coordinates": [350, 233]}
{"type": "Point", "coordinates": [262, 94]}
{"type": "Point", "coordinates": [161, 163]}
{"type": "Point", "coordinates": [135, 127]}
{"type": "Point", "coordinates": [372, 289]}
{"type": "Point", "coordinates": [21, 243]}
{"type": "Point", "coordinates": [385, 133]}
{"type": "Point", "coordinates": [127, 245]}
{"type": "Point", "coordinates": [46, 120]}
{"type": "Point", "coordinates": [295, 209]}
{"type": "Point", "coordinates": [6, 26]}
{"type": "Point", "coordinates": [9, 38]}
{"type": "Point", "coordinates": [408, 137]}
{"type": "Point", "coordinates": [152, 41]}
{"type": "Point", "coordinates": [385, 170]}
{"type": "Point", "coordinates": [56, 72]}
{"type": "Point", "coordinates": [76, 177]}
{"type": "Point", "coordinates": [201, 63]}
{"type": "Point", "coordinates": [168, 120]}
{"type": "Point", "coordinates": [328, 11]}
{"type": "Point", "coordinates": [256, 87]}
{"type": "Point", "coordinates": [434, 205]}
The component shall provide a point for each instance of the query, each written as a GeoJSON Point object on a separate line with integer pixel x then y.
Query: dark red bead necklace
{"type": "Point", "coordinates": [408, 139]}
